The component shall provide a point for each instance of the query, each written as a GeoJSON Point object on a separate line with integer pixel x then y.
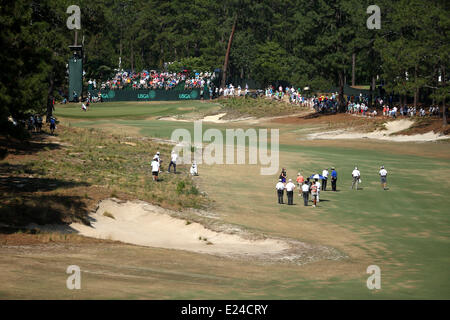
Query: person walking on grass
{"type": "Point", "coordinates": [155, 168]}
{"type": "Point", "coordinates": [290, 192]}
{"type": "Point", "coordinates": [317, 183]}
{"type": "Point", "coordinates": [334, 177]}
{"type": "Point", "coordinates": [325, 179]}
{"type": "Point", "coordinates": [283, 176]}
{"type": "Point", "coordinates": [305, 192]}
{"type": "Point", "coordinates": [356, 175]}
{"type": "Point", "coordinates": [314, 192]}
{"type": "Point", "coordinates": [280, 191]}
{"type": "Point", "coordinates": [158, 158]}
{"type": "Point", "coordinates": [52, 125]}
{"type": "Point", "coordinates": [383, 176]}
{"type": "Point", "coordinates": [300, 180]}
{"type": "Point", "coordinates": [194, 169]}
{"type": "Point", "coordinates": [173, 162]}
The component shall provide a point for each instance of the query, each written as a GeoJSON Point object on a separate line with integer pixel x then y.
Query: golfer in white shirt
{"type": "Point", "coordinates": [325, 179]}
{"type": "Point", "coordinates": [194, 170]}
{"type": "Point", "coordinates": [173, 162]}
{"type": "Point", "coordinates": [305, 192]}
{"type": "Point", "coordinates": [280, 191]}
{"type": "Point", "coordinates": [158, 158]}
{"type": "Point", "coordinates": [155, 169]}
{"type": "Point", "coordinates": [290, 192]}
{"type": "Point", "coordinates": [356, 175]}
{"type": "Point", "coordinates": [383, 176]}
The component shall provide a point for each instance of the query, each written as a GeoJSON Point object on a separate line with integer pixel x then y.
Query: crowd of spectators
{"type": "Point", "coordinates": [357, 105]}
{"type": "Point", "coordinates": [156, 80]}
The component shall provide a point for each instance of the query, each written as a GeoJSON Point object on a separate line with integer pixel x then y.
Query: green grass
{"type": "Point", "coordinates": [405, 230]}
{"type": "Point", "coordinates": [132, 110]}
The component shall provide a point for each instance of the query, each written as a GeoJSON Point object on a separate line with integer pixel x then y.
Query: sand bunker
{"type": "Point", "coordinates": [140, 223]}
{"type": "Point", "coordinates": [391, 127]}
{"type": "Point", "coordinates": [216, 118]}
{"type": "Point", "coordinates": [173, 119]}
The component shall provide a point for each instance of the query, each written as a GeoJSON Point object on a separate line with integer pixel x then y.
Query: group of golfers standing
{"type": "Point", "coordinates": [311, 187]}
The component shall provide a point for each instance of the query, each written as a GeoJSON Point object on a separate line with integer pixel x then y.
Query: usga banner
{"type": "Point", "coordinates": [149, 95]}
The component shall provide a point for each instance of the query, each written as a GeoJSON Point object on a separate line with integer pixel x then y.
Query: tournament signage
{"type": "Point", "coordinates": [186, 96]}
{"type": "Point", "coordinates": [149, 95]}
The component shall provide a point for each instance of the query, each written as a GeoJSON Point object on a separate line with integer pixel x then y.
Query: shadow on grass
{"type": "Point", "coordinates": [21, 204]}
{"type": "Point", "coordinates": [12, 181]}
{"type": "Point", "coordinates": [38, 143]}
{"type": "Point", "coordinates": [43, 209]}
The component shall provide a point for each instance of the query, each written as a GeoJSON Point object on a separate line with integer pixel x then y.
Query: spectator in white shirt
{"type": "Point", "coordinates": [324, 180]}
{"type": "Point", "coordinates": [356, 175]}
{"type": "Point", "coordinates": [194, 170]}
{"type": "Point", "coordinates": [155, 168]}
{"type": "Point", "coordinates": [158, 158]}
{"type": "Point", "coordinates": [383, 177]}
{"type": "Point", "coordinates": [305, 191]}
{"type": "Point", "coordinates": [290, 192]}
{"type": "Point", "coordinates": [318, 189]}
{"type": "Point", "coordinates": [173, 162]}
{"type": "Point", "coordinates": [280, 191]}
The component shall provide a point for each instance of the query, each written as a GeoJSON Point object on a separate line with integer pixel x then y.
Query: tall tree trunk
{"type": "Point", "coordinates": [50, 98]}
{"type": "Point", "coordinates": [353, 68]}
{"type": "Point", "coordinates": [444, 108]}
{"type": "Point", "coordinates": [120, 49]}
{"type": "Point", "coordinates": [372, 88]}
{"type": "Point", "coordinates": [132, 57]}
{"type": "Point", "coordinates": [341, 92]}
{"type": "Point", "coordinates": [416, 90]}
{"type": "Point", "coordinates": [227, 55]}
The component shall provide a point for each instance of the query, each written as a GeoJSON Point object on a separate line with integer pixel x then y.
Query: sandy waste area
{"type": "Point", "coordinates": [391, 127]}
{"type": "Point", "coordinates": [140, 223]}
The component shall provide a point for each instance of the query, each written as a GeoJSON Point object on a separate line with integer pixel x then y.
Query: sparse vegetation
{"type": "Point", "coordinates": [52, 183]}
{"type": "Point", "coordinates": [260, 107]}
{"type": "Point", "coordinates": [109, 215]}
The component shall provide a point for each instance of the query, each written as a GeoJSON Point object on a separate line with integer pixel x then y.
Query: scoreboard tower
{"type": "Point", "coordinates": [76, 73]}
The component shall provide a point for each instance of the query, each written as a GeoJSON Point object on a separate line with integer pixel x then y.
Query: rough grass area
{"type": "Point", "coordinates": [21, 237]}
{"type": "Point", "coordinates": [336, 121]}
{"type": "Point", "coordinates": [60, 179]}
{"type": "Point", "coordinates": [258, 108]}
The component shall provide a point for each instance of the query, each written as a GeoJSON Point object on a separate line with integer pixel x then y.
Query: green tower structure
{"type": "Point", "coordinates": [76, 73]}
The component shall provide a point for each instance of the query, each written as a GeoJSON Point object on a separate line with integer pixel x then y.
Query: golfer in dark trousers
{"type": "Point", "coordinates": [305, 191]}
{"type": "Point", "coordinates": [333, 178]}
{"type": "Point", "coordinates": [280, 191]}
{"type": "Point", "coordinates": [290, 192]}
{"type": "Point", "coordinates": [325, 179]}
